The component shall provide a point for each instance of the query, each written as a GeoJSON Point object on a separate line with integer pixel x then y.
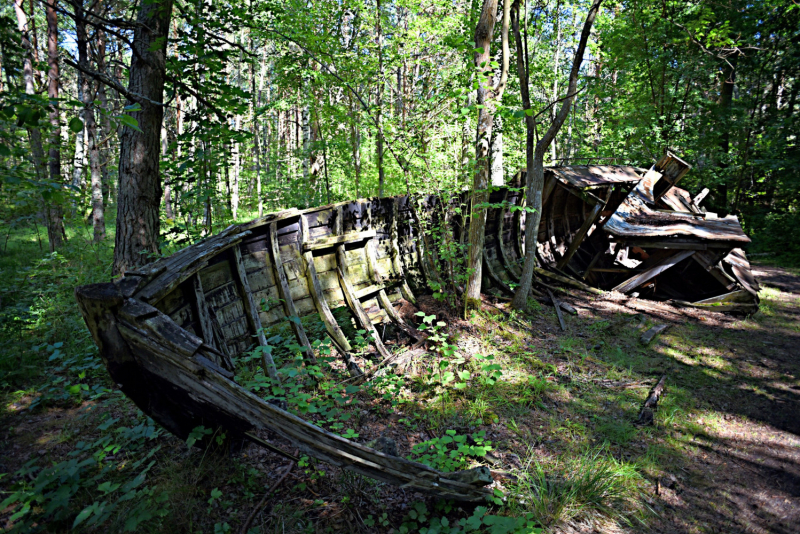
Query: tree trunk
{"type": "Point", "coordinates": [89, 125]}
{"type": "Point", "coordinates": [498, 178]}
{"type": "Point", "coordinates": [35, 136]}
{"type": "Point", "coordinates": [727, 80]}
{"type": "Point", "coordinates": [487, 96]}
{"type": "Point", "coordinates": [535, 157]}
{"type": "Point", "coordinates": [167, 186]}
{"type": "Point", "coordinates": [79, 159]}
{"type": "Point", "coordinates": [379, 104]}
{"type": "Point", "coordinates": [554, 148]}
{"type": "Point", "coordinates": [355, 142]}
{"type": "Point", "coordinates": [53, 209]}
{"type": "Point", "coordinates": [237, 169]}
{"type": "Point", "coordinates": [139, 197]}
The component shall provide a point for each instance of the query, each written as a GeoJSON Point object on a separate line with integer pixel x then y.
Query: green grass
{"type": "Point", "coordinates": [591, 484]}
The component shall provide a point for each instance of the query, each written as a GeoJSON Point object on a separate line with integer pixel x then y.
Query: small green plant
{"type": "Point", "coordinates": [452, 451]}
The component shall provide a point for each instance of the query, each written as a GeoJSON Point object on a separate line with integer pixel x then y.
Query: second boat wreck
{"type": "Point", "coordinates": [169, 332]}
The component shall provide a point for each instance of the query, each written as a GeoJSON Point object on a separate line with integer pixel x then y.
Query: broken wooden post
{"type": "Point", "coordinates": [647, 415]}
{"type": "Point", "coordinates": [558, 310]}
{"type": "Point", "coordinates": [652, 332]}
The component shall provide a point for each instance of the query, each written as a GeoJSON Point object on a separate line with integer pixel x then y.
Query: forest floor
{"type": "Point", "coordinates": [722, 456]}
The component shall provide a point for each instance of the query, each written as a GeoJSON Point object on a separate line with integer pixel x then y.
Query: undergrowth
{"type": "Point", "coordinates": [109, 467]}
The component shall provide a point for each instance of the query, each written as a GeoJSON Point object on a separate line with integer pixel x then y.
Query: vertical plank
{"type": "Point", "coordinates": [396, 260]}
{"type": "Point", "coordinates": [285, 293]}
{"type": "Point", "coordinates": [580, 235]}
{"type": "Point", "coordinates": [501, 245]}
{"type": "Point", "coordinates": [251, 311]}
{"type": "Point", "coordinates": [207, 325]}
{"type": "Point", "coordinates": [318, 296]}
{"type": "Point", "coordinates": [353, 303]}
{"type": "Point", "coordinates": [383, 298]}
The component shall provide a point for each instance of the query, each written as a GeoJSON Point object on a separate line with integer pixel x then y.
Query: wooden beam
{"type": "Point", "coordinates": [285, 294]}
{"type": "Point", "coordinates": [557, 306]}
{"type": "Point", "coordinates": [318, 296]}
{"type": "Point", "coordinates": [653, 270]}
{"type": "Point", "coordinates": [328, 242]}
{"type": "Point", "coordinates": [383, 298]}
{"type": "Point", "coordinates": [580, 235]}
{"type": "Point", "coordinates": [567, 280]}
{"type": "Point", "coordinates": [362, 319]}
{"type": "Point", "coordinates": [207, 325]}
{"type": "Point", "coordinates": [251, 312]}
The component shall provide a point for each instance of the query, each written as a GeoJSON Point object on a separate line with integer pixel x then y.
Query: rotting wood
{"type": "Point", "coordinates": [320, 302]}
{"type": "Point", "coordinates": [206, 324]}
{"type": "Point", "coordinates": [383, 298]}
{"type": "Point", "coordinates": [397, 261]}
{"type": "Point", "coordinates": [581, 234]}
{"type": "Point", "coordinates": [558, 310]}
{"type": "Point", "coordinates": [251, 311]}
{"type": "Point", "coordinates": [567, 280]}
{"type": "Point", "coordinates": [362, 319]}
{"type": "Point", "coordinates": [647, 414]}
{"type": "Point", "coordinates": [493, 276]}
{"type": "Point", "coordinates": [328, 242]}
{"type": "Point", "coordinates": [286, 295]}
{"type": "Point", "coordinates": [505, 255]}
{"type": "Point", "coordinates": [237, 405]}
{"type": "Point", "coordinates": [652, 332]}
{"type": "Point", "coordinates": [653, 270]}
{"type": "Point", "coordinates": [176, 377]}
{"type": "Point", "coordinates": [361, 316]}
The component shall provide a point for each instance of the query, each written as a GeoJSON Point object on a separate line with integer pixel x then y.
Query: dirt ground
{"type": "Point", "coordinates": [723, 455]}
{"type": "Point", "coordinates": [737, 468]}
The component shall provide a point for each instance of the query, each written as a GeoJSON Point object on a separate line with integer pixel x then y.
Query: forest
{"type": "Point", "coordinates": [130, 131]}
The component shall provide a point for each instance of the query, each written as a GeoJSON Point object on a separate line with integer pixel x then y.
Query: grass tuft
{"type": "Point", "coordinates": [593, 483]}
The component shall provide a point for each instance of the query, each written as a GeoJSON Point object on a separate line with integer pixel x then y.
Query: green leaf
{"type": "Point", "coordinates": [130, 122]}
{"type": "Point", "coordinates": [84, 515]}
{"type": "Point", "coordinates": [76, 125]}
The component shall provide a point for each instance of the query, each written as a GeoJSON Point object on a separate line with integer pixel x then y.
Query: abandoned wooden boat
{"type": "Point", "coordinates": [168, 332]}
{"type": "Point", "coordinates": [634, 231]}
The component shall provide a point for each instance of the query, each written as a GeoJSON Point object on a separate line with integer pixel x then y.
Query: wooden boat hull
{"type": "Point", "coordinates": [168, 332]}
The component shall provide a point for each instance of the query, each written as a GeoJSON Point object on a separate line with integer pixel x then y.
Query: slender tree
{"type": "Point", "coordinates": [535, 155]}
{"type": "Point", "coordinates": [53, 209]}
{"type": "Point", "coordinates": [487, 97]}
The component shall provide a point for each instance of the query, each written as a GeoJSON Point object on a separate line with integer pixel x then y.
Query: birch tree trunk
{"type": "Point", "coordinates": [379, 104]}
{"type": "Point", "coordinates": [139, 197]}
{"type": "Point", "coordinates": [34, 135]}
{"type": "Point", "coordinates": [90, 126]}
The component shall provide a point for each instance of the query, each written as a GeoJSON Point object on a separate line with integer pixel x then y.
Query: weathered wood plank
{"type": "Point", "coordinates": [580, 235]}
{"type": "Point", "coordinates": [286, 295]}
{"type": "Point", "coordinates": [362, 319]}
{"type": "Point", "coordinates": [328, 242]}
{"type": "Point", "coordinates": [320, 302]}
{"type": "Point", "coordinates": [396, 257]}
{"type": "Point", "coordinates": [251, 313]}
{"type": "Point", "coordinates": [378, 277]}
{"type": "Point", "coordinates": [651, 271]}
